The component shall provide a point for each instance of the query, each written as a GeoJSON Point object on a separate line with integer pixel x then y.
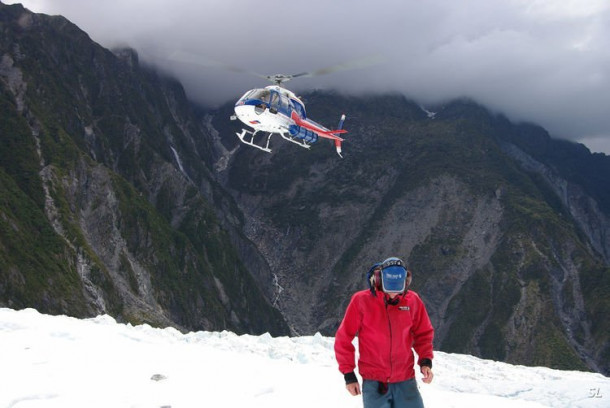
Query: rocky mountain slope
{"type": "Point", "coordinates": [108, 201]}
{"type": "Point", "coordinates": [507, 240]}
{"type": "Point", "coordinates": [119, 196]}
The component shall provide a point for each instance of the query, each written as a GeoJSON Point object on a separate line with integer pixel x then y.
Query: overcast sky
{"type": "Point", "coordinates": [544, 61]}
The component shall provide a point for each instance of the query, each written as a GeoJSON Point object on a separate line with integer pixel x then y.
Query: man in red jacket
{"type": "Point", "coordinates": [390, 321]}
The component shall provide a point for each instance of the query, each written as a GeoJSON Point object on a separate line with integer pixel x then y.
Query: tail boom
{"type": "Point", "coordinates": [322, 131]}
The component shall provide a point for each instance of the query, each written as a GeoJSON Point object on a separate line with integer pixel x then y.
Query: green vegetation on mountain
{"type": "Point", "coordinates": [96, 215]}
{"type": "Point", "coordinates": [497, 255]}
{"type": "Point", "coordinates": [118, 196]}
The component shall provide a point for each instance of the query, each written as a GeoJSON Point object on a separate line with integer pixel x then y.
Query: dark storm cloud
{"type": "Point", "coordinates": [545, 61]}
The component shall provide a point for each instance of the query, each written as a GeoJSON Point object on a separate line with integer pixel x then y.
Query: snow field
{"type": "Point", "coordinates": [62, 362]}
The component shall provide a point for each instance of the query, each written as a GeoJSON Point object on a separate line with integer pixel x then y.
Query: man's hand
{"type": "Point", "coordinates": [428, 374]}
{"type": "Point", "coordinates": [353, 388]}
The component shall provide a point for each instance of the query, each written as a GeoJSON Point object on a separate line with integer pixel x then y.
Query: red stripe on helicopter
{"type": "Point", "coordinates": [255, 122]}
{"type": "Point", "coordinates": [329, 134]}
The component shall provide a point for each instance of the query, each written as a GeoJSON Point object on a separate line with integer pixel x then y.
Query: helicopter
{"type": "Point", "coordinates": [275, 109]}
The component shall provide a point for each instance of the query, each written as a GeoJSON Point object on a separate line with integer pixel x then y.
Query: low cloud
{"type": "Point", "coordinates": [544, 61]}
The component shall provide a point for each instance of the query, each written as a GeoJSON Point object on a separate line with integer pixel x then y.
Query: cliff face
{"type": "Point", "coordinates": [109, 203]}
{"type": "Point", "coordinates": [581, 192]}
{"type": "Point", "coordinates": [119, 196]}
{"type": "Point", "coordinates": [505, 250]}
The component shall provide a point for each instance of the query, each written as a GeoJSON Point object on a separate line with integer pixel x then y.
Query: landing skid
{"type": "Point", "coordinates": [242, 137]}
{"type": "Point", "coordinates": [301, 143]}
{"type": "Point", "coordinates": [250, 140]}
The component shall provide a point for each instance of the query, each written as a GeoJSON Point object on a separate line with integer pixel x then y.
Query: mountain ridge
{"type": "Point", "coordinates": [406, 170]}
{"type": "Point", "coordinates": [144, 206]}
{"type": "Point", "coordinates": [137, 233]}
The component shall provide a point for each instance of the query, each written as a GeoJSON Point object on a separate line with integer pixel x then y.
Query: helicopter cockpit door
{"type": "Point", "coordinates": [274, 106]}
{"type": "Point", "coordinates": [279, 103]}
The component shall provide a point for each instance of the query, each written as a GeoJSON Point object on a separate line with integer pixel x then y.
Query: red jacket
{"type": "Point", "coordinates": [386, 336]}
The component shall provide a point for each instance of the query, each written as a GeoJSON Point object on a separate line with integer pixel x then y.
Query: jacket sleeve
{"type": "Point", "coordinates": [345, 351]}
{"type": "Point", "coordinates": [423, 334]}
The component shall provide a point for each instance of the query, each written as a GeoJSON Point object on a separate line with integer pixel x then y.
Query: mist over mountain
{"type": "Point", "coordinates": [541, 61]}
{"type": "Point", "coordinates": [120, 196]}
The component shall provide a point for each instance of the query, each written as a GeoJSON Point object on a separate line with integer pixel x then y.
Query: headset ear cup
{"type": "Point", "coordinates": [377, 275]}
{"type": "Point", "coordinates": [373, 277]}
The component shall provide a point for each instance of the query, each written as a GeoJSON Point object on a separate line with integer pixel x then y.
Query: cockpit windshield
{"type": "Point", "coordinates": [262, 95]}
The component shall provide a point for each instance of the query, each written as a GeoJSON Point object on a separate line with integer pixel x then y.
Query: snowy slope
{"type": "Point", "coordinates": [58, 361]}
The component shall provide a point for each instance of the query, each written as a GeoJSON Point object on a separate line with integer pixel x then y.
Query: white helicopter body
{"type": "Point", "coordinates": [275, 109]}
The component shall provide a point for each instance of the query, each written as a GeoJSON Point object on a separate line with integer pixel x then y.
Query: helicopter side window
{"type": "Point", "coordinates": [300, 109]}
{"type": "Point", "coordinates": [275, 102]}
{"type": "Point", "coordinates": [284, 103]}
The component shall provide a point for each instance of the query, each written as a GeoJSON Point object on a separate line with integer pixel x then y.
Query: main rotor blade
{"type": "Point", "coordinates": [354, 64]}
{"type": "Point", "coordinates": [194, 59]}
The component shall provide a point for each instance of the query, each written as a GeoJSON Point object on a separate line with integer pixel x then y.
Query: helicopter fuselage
{"type": "Point", "coordinates": [268, 109]}
{"type": "Point", "coordinates": [275, 109]}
